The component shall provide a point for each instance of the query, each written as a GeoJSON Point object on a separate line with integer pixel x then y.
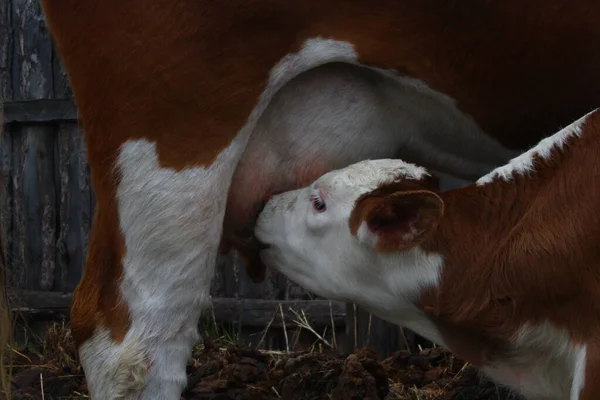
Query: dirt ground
{"type": "Point", "coordinates": [233, 372]}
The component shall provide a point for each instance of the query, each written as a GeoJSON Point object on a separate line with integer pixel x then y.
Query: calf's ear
{"type": "Point", "coordinates": [394, 221]}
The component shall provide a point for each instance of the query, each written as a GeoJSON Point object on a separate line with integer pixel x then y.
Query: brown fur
{"type": "Point", "coordinates": [518, 252]}
{"type": "Point", "coordinates": [186, 74]}
{"type": "Point", "coordinates": [403, 216]}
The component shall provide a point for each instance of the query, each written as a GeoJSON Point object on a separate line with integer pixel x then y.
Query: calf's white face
{"type": "Point", "coordinates": [354, 232]}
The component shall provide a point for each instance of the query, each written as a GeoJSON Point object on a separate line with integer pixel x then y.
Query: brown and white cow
{"type": "Point", "coordinates": [169, 94]}
{"type": "Point", "coordinates": [505, 272]}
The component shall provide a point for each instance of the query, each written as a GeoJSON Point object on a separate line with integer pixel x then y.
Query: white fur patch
{"type": "Point", "coordinates": [365, 235]}
{"type": "Point", "coordinates": [579, 373]}
{"type": "Point", "coordinates": [406, 275]}
{"type": "Point", "coordinates": [544, 364]}
{"type": "Point", "coordinates": [314, 52]}
{"type": "Point", "coordinates": [523, 164]}
{"type": "Point", "coordinates": [113, 372]}
{"type": "Point", "coordinates": [368, 175]}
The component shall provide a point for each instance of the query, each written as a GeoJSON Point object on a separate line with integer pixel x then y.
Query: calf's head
{"type": "Point", "coordinates": [348, 229]}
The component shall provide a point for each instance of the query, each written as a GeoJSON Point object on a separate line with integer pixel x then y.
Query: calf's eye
{"type": "Point", "coordinates": [317, 202]}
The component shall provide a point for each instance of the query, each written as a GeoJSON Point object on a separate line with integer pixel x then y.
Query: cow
{"type": "Point", "coordinates": [505, 272]}
{"type": "Point", "coordinates": [194, 110]}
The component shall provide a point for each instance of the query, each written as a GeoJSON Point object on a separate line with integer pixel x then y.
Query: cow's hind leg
{"type": "Point", "coordinates": [148, 273]}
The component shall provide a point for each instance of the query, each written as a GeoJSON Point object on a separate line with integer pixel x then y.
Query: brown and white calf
{"type": "Point", "coordinates": [173, 95]}
{"type": "Point", "coordinates": [505, 272]}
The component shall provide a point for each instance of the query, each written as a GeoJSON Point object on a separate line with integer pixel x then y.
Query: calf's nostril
{"type": "Point", "coordinates": [263, 203]}
{"type": "Point", "coordinates": [261, 245]}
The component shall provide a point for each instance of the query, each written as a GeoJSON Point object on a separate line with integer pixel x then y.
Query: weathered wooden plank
{"type": "Point", "coordinates": [6, 204]}
{"type": "Point", "coordinates": [218, 284]}
{"type": "Point", "coordinates": [32, 61]}
{"type": "Point", "coordinates": [364, 329]}
{"type": "Point", "coordinates": [62, 90]}
{"type": "Point", "coordinates": [16, 257]}
{"type": "Point", "coordinates": [39, 207]}
{"type": "Point", "coordinates": [248, 312]}
{"type": "Point", "coordinates": [5, 50]}
{"type": "Point", "coordinates": [32, 206]}
{"type": "Point", "coordinates": [291, 290]}
{"type": "Point", "coordinates": [229, 275]}
{"type": "Point", "coordinates": [34, 195]}
{"type": "Point", "coordinates": [247, 288]}
{"type": "Point", "coordinates": [43, 110]}
{"type": "Point", "coordinates": [74, 206]}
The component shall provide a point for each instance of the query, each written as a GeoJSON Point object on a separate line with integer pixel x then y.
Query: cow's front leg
{"type": "Point", "coordinates": [150, 264]}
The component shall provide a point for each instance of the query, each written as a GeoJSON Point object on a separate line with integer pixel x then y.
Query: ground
{"type": "Point", "coordinates": [232, 372]}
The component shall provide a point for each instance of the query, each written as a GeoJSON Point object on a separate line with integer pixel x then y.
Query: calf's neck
{"type": "Point", "coordinates": [505, 273]}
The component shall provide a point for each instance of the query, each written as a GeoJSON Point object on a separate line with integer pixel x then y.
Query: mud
{"type": "Point", "coordinates": [246, 374]}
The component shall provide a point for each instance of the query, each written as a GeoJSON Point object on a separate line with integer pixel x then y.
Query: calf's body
{"type": "Point", "coordinates": [505, 272]}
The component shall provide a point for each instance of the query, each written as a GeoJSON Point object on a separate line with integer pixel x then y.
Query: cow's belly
{"type": "Point", "coordinates": [339, 114]}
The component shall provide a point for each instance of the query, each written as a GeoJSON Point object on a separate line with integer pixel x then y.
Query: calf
{"type": "Point", "coordinates": [505, 272]}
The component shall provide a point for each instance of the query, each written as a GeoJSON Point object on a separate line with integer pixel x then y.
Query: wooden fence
{"type": "Point", "coordinates": [49, 204]}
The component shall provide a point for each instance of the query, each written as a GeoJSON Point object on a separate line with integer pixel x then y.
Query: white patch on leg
{"type": "Point", "coordinates": [113, 371]}
{"type": "Point", "coordinates": [523, 164]}
{"type": "Point", "coordinates": [579, 373]}
{"type": "Point", "coordinates": [171, 224]}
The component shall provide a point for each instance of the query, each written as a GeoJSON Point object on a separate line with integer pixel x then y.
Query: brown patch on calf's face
{"type": "Point", "coordinates": [400, 215]}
